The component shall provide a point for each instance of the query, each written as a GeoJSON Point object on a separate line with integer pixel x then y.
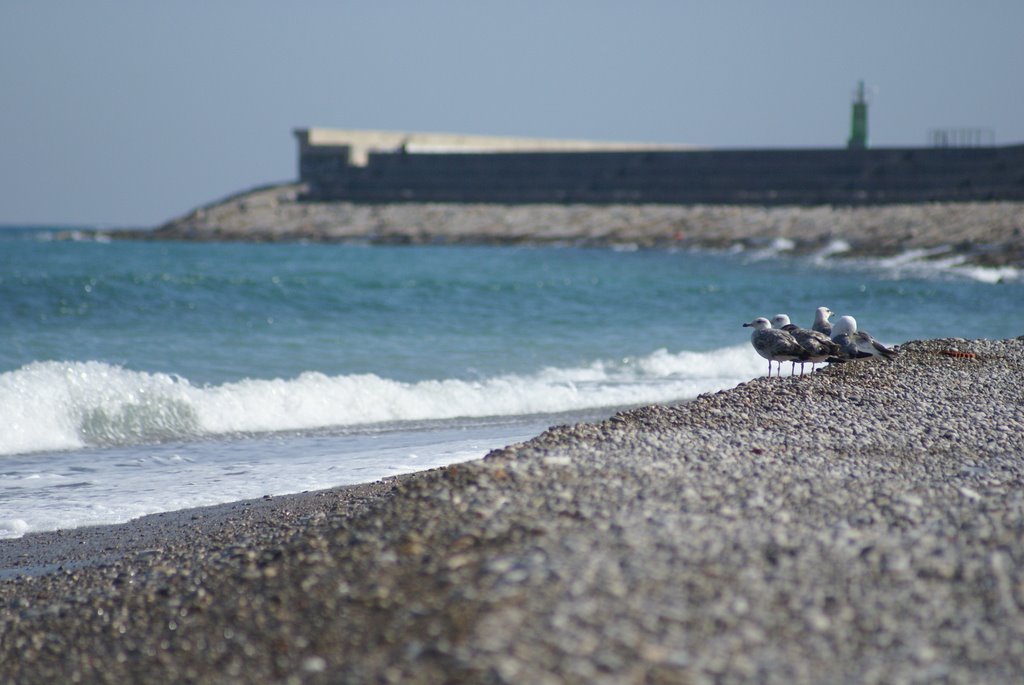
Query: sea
{"type": "Point", "coordinates": [142, 377]}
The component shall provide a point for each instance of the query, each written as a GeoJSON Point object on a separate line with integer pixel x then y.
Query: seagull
{"type": "Point", "coordinates": [847, 347]}
{"type": "Point", "coordinates": [821, 322]}
{"type": "Point", "coordinates": [780, 321]}
{"type": "Point", "coordinates": [856, 344]}
{"type": "Point", "coordinates": [773, 344]}
{"type": "Point", "coordinates": [819, 347]}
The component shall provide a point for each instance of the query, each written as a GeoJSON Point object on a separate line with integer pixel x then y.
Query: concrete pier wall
{"type": "Point", "coordinates": [657, 174]}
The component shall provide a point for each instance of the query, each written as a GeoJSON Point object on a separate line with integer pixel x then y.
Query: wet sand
{"type": "Point", "coordinates": [862, 524]}
{"type": "Point", "coordinates": [69, 550]}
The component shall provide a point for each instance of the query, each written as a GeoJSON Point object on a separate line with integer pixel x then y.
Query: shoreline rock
{"type": "Point", "coordinates": [860, 524]}
{"type": "Point", "coordinates": [984, 233]}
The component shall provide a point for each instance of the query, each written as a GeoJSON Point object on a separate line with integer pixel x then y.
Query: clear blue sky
{"type": "Point", "coordinates": [130, 112]}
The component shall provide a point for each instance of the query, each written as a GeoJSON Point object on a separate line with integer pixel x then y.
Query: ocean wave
{"type": "Point", "coordinates": [69, 405]}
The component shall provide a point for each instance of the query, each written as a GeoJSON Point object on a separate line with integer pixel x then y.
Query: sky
{"type": "Point", "coordinates": [131, 112]}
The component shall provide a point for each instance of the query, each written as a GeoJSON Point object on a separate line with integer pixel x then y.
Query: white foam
{"type": "Point", "coordinates": [917, 263]}
{"type": "Point", "coordinates": [984, 274]}
{"type": "Point", "coordinates": [65, 405]}
{"type": "Point", "coordinates": [932, 262]}
{"type": "Point", "coordinates": [834, 247]}
{"type": "Point", "coordinates": [12, 528]}
{"type": "Point", "coordinates": [778, 247]}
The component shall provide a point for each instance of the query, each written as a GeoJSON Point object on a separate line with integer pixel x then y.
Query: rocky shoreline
{"type": "Point", "coordinates": [982, 233]}
{"type": "Point", "coordinates": [863, 524]}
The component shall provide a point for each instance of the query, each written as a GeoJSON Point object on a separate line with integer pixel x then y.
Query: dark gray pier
{"type": "Point", "coordinates": [433, 168]}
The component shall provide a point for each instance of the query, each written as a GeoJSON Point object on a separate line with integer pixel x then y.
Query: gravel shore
{"type": "Point", "coordinates": [982, 233]}
{"type": "Point", "coordinates": [863, 524]}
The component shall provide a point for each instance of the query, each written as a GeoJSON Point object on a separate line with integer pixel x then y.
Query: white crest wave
{"type": "Point", "coordinates": [67, 405]}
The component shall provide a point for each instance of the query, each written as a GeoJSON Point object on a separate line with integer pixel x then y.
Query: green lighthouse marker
{"type": "Point", "coordinates": [859, 124]}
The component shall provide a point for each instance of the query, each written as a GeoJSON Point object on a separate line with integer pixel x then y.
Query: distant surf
{"type": "Point", "coordinates": [940, 262]}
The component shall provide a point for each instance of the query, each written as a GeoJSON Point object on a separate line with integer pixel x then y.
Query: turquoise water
{"type": "Point", "coordinates": [215, 313]}
{"type": "Point", "coordinates": [191, 359]}
{"type": "Point", "coordinates": [224, 312]}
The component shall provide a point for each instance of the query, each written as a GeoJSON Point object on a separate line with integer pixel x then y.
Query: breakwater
{"type": "Point", "coordinates": [984, 233]}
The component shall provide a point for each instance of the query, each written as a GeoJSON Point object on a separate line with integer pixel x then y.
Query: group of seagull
{"type": "Point", "coordinates": [778, 340]}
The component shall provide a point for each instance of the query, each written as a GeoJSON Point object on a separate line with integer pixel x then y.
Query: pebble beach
{"type": "Point", "coordinates": [861, 524]}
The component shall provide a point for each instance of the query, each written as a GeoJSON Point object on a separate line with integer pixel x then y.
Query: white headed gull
{"type": "Point", "coordinates": [856, 344]}
{"type": "Point", "coordinates": [821, 322]}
